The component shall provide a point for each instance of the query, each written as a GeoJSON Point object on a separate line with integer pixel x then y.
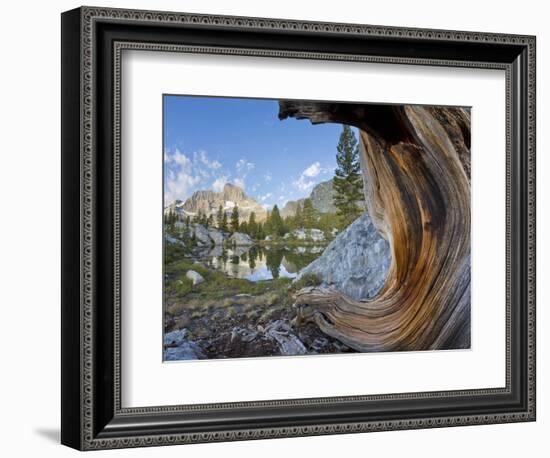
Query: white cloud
{"type": "Point", "coordinates": [201, 157]}
{"type": "Point", "coordinates": [178, 158]}
{"type": "Point", "coordinates": [313, 170]}
{"type": "Point", "coordinates": [178, 185]}
{"type": "Point", "coordinates": [303, 184]}
{"type": "Point", "coordinates": [219, 183]}
{"type": "Point", "coordinates": [268, 176]}
{"type": "Point", "coordinates": [243, 165]}
{"type": "Point", "coordinates": [265, 196]}
{"type": "Point", "coordinates": [183, 174]}
{"type": "Point", "coordinates": [239, 182]}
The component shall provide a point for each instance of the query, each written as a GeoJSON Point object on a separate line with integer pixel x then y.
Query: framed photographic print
{"type": "Point", "coordinates": [279, 228]}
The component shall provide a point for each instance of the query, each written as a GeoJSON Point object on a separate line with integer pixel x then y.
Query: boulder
{"type": "Point", "coordinates": [300, 234]}
{"type": "Point", "coordinates": [180, 225]}
{"type": "Point", "coordinates": [195, 277]}
{"type": "Point", "coordinates": [172, 240]}
{"type": "Point", "coordinates": [317, 235]}
{"type": "Point", "coordinates": [177, 347]}
{"type": "Point", "coordinates": [201, 234]}
{"type": "Point", "coordinates": [175, 338]}
{"type": "Point", "coordinates": [217, 236]}
{"type": "Point", "coordinates": [356, 262]}
{"type": "Point", "coordinates": [216, 251]}
{"type": "Point", "coordinates": [241, 239]}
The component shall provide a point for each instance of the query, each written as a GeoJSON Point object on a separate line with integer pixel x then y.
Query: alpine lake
{"type": "Point", "coordinates": [261, 263]}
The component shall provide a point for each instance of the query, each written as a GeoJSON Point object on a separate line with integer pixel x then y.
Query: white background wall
{"type": "Point", "coordinates": [30, 240]}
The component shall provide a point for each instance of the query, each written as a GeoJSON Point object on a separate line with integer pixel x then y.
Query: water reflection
{"type": "Point", "coordinates": [261, 263]}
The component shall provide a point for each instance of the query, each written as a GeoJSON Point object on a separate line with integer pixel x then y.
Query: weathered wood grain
{"type": "Point", "coordinates": [416, 165]}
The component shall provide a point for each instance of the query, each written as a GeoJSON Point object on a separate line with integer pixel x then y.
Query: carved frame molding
{"type": "Point", "coordinates": [92, 430]}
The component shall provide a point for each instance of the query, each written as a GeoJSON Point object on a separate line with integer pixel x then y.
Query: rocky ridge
{"type": "Point", "coordinates": [321, 197]}
{"type": "Point", "coordinates": [208, 202]}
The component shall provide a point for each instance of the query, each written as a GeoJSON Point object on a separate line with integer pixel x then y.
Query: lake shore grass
{"type": "Point", "coordinates": [291, 243]}
{"type": "Point", "coordinates": [218, 289]}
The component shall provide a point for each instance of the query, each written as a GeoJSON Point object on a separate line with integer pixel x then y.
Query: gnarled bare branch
{"type": "Point", "coordinates": [416, 165]}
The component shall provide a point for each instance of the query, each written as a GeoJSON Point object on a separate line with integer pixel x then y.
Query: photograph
{"type": "Point", "coordinates": [299, 227]}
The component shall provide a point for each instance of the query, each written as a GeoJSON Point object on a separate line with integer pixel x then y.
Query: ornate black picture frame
{"type": "Point", "coordinates": [92, 42]}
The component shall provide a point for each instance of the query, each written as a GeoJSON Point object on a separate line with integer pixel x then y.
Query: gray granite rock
{"type": "Point", "coordinates": [201, 234]}
{"type": "Point", "coordinates": [356, 262]}
{"type": "Point", "coordinates": [315, 235]}
{"type": "Point", "coordinates": [178, 347]}
{"type": "Point", "coordinates": [195, 277]}
{"type": "Point", "coordinates": [217, 236]}
{"type": "Point", "coordinates": [175, 338]}
{"type": "Point", "coordinates": [240, 239]}
{"type": "Point", "coordinates": [172, 240]}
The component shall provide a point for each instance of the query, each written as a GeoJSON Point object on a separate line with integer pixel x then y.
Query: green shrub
{"type": "Point", "coordinates": [173, 252]}
{"type": "Point", "coordinates": [218, 285]}
{"type": "Point", "coordinates": [308, 279]}
{"type": "Point", "coordinates": [180, 287]}
{"type": "Point", "coordinates": [181, 267]}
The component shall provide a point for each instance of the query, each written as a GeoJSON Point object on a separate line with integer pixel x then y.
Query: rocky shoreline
{"type": "Point", "coordinates": [243, 330]}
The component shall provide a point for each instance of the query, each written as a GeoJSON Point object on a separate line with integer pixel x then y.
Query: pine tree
{"type": "Point", "coordinates": [275, 225]}
{"type": "Point", "coordinates": [347, 182]}
{"type": "Point", "coordinates": [219, 217]}
{"type": "Point", "coordinates": [235, 219]}
{"type": "Point", "coordinates": [308, 214]}
{"type": "Point", "coordinates": [260, 233]}
{"type": "Point", "coordinates": [298, 220]}
{"type": "Point", "coordinates": [273, 261]}
{"type": "Point", "coordinates": [267, 223]}
{"type": "Point", "coordinates": [252, 225]}
{"type": "Point", "coordinates": [224, 226]}
{"type": "Point", "coordinates": [210, 220]}
{"type": "Point", "coordinates": [171, 220]}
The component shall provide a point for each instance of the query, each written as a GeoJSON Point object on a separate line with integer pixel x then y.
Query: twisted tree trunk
{"type": "Point", "coordinates": [416, 166]}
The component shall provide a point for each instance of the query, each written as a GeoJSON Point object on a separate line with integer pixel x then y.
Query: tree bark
{"type": "Point", "coordinates": [415, 162]}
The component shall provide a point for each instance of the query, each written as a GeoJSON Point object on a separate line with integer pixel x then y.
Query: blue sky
{"type": "Point", "coordinates": [210, 141]}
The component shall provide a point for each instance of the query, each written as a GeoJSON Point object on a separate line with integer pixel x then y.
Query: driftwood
{"type": "Point", "coordinates": [288, 343]}
{"type": "Point", "coordinates": [416, 166]}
